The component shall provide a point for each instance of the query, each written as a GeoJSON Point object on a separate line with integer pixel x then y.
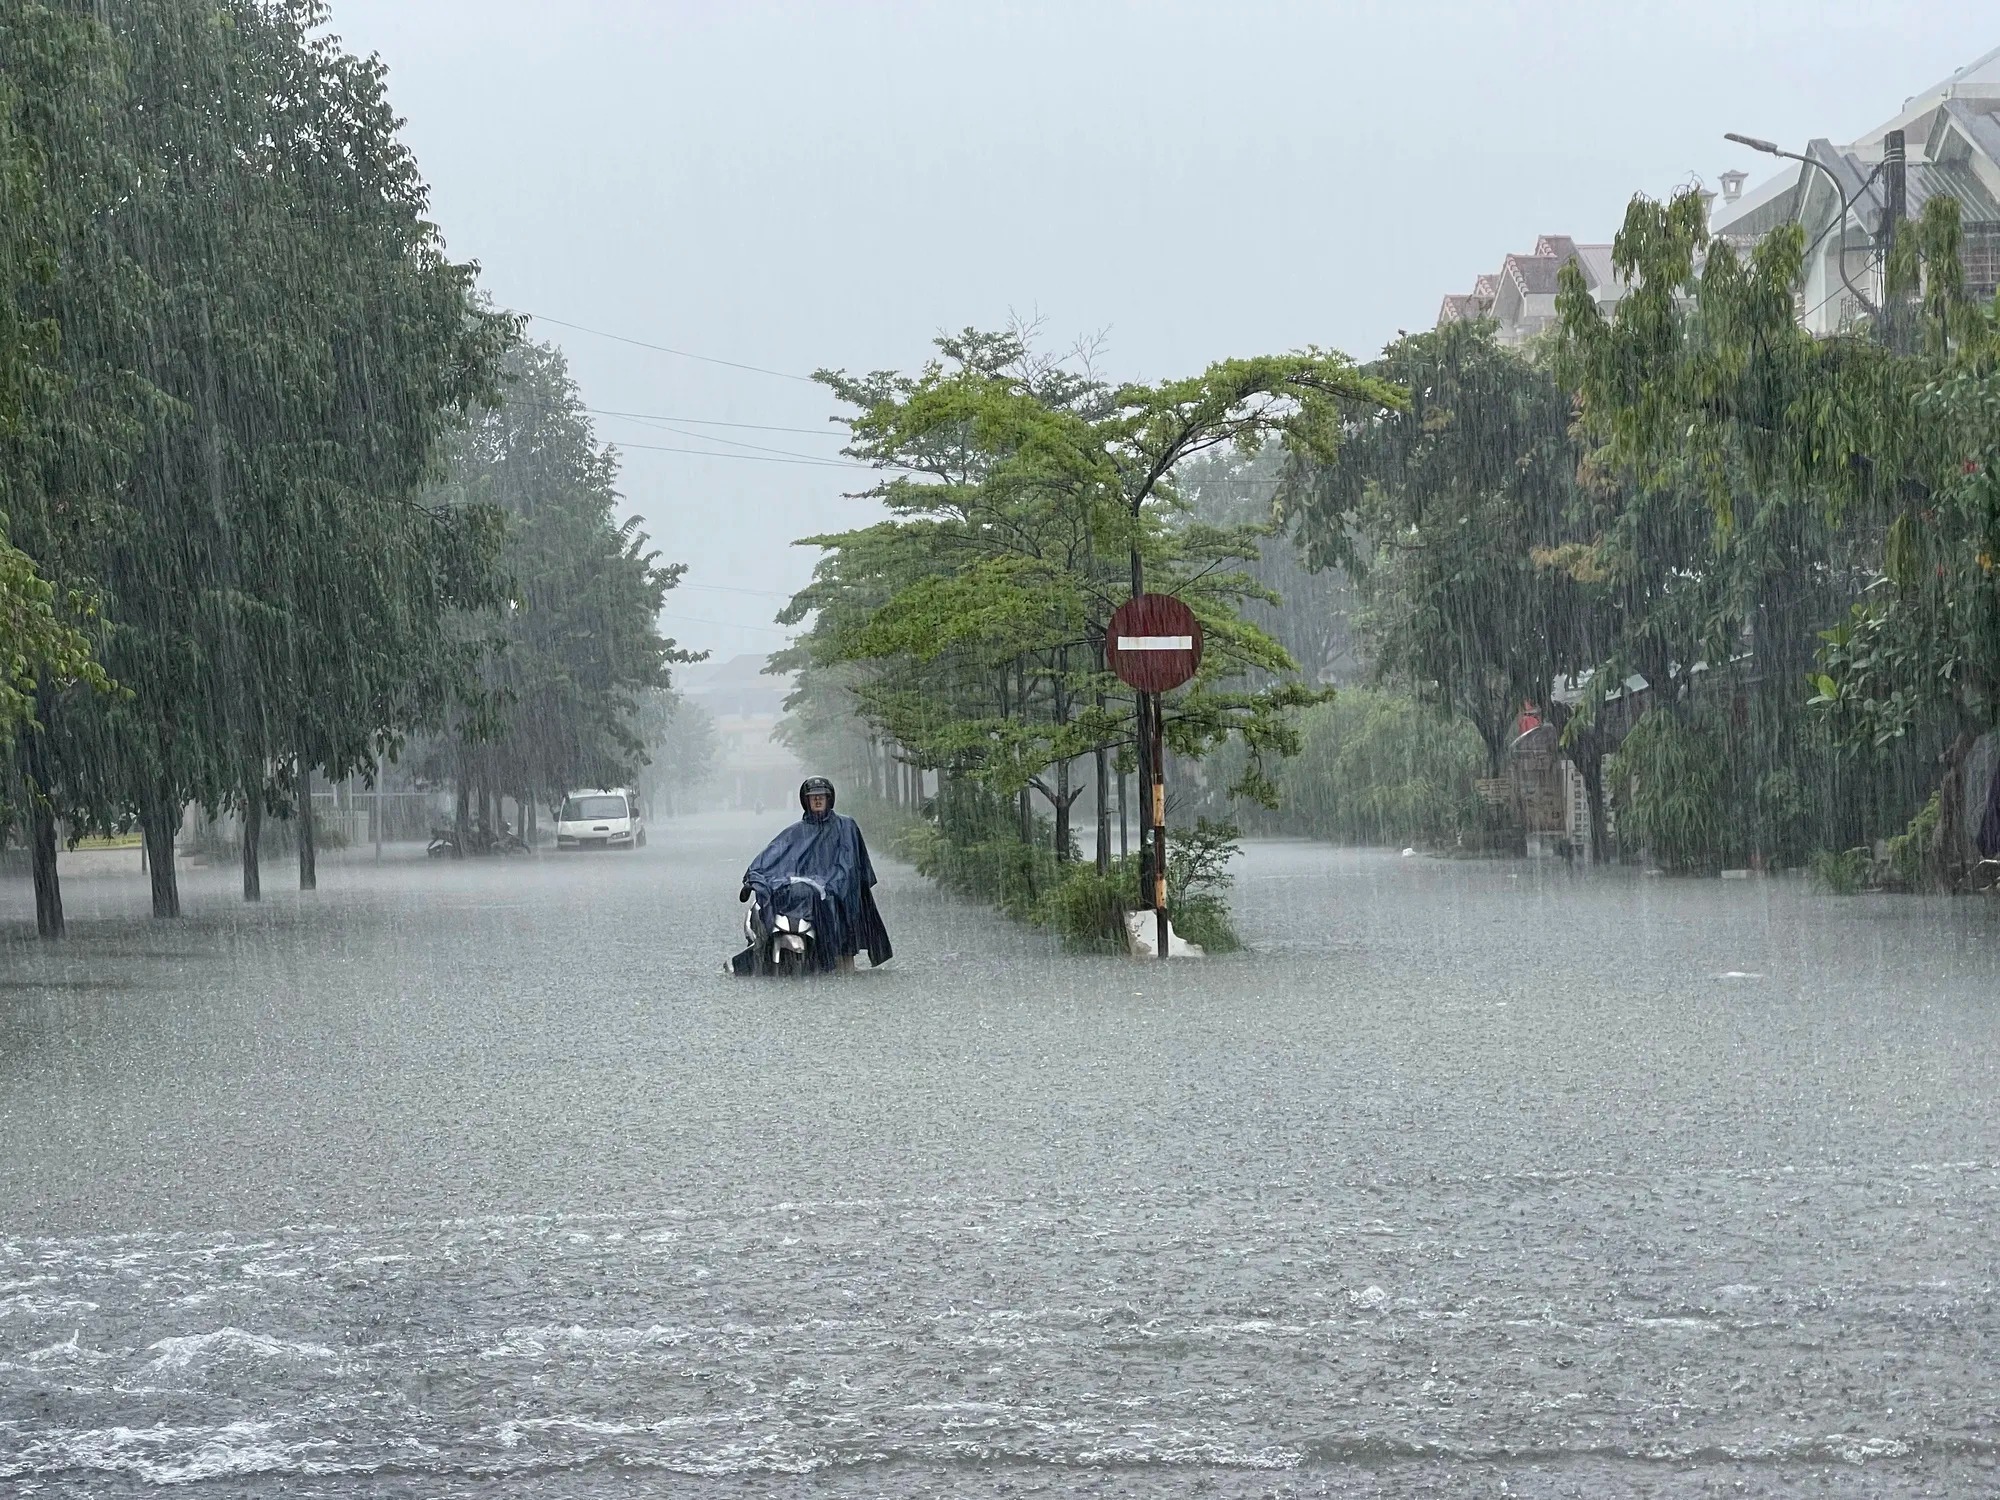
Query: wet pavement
{"type": "Point", "coordinates": [1473, 1178]}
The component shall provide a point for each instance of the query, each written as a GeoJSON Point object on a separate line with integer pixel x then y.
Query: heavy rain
{"type": "Point", "coordinates": [998, 750]}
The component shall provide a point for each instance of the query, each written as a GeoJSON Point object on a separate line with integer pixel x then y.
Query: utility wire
{"type": "Point", "coordinates": [653, 416]}
{"type": "Point", "coordinates": [735, 443]}
{"type": "Point", "coordinates": [722, 624]}
{"type": "Point", "coordinates": [707, 359]}
{"type": "Point", "coordinates": [750, 458]}
{"type": "Point", "coordinates": [724, 588]}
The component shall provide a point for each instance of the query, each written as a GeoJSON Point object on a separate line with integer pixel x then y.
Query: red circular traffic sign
{"type": "Point", "coordinates": [1153, 642]}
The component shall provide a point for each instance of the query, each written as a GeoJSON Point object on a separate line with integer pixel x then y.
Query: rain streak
{"type": "Point", "coordinates": [802, 773]}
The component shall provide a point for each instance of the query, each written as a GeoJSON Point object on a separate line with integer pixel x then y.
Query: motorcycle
{"type": "Point", "coordinates": [780, 927]}
{"type": "Point", "coordinates": [479, 839]}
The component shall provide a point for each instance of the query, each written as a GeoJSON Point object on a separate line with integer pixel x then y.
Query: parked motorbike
{"type": "Point", "coordinates": [780, 928]}
{"type": "Point", "coordinates": [479, 840]}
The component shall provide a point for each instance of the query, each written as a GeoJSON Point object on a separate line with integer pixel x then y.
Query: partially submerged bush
{"type": "Point", "coordinates": [1086, 909]}
{"type": "Point", "coordinates": [1841, 874]}
{"type": "Point", "coordinates": [1911, 865]}
{"type": "Point", "coordinates": [1668, 776]}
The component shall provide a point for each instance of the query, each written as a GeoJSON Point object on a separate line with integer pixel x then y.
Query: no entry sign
{"type": "Point", "coordinates": [1153, 643]}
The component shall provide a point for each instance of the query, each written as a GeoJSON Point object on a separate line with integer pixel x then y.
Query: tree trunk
{"type": "Point", "coordinates": [1591, 768]}
{"type": "Point", "coordinates": [461, 815]}
{"type": "Point", "coordinates": [1142, 707]}
{"type": "Point", "coordinates": [1124, 819]}
{"type": "Point", "coordinates": [1949, 856]}
{"type": "Point", "coordinates": [308, 853]}
{"type": "Point", "coordinates": [156, 827]}
{"type": "Point", "coordinates": [253, 838]}
{"type": "Point", "coordinates": [1103, 758]}
{"type": "Point", "coordinates": [1062, 807]}
{"type": "Point", "coordinates": [32, 758]}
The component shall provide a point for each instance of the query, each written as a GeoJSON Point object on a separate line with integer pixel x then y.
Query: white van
{"type": "Point", "coordinates": [601, 818]}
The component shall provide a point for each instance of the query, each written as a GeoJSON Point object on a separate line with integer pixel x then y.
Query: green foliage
{"type": "Point", "coordinates": [994, 867]}
{"type": "Point", "coordinates": [969, 627]}
{"type": "Point", "coordinates": [242, 343]}
{"type": "Point", "coordinates": [1841, 874]}
{"type": "Point", "coordinates": [1375, 767]}
{"type": "Point", "coordinates": [38, 645]}
{"type": "Point", "coordinates": [1087, 909]}
{"type": "Point", "coordinates": [1670, 780]}
{"type": "Point", "coordinates": [571, 653]}
{"type": "Point", "coordinates": [1910, 854]}
{"type": "Point", "coordinates": [1450, 512]}
{"type": "Point", "coordinates": [974, 849]}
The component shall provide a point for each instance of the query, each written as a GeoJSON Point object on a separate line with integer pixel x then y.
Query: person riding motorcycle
{"type": "Point", "coordinates": [825, 849]}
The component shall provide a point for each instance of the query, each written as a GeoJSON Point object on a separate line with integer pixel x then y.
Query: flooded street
{"type": "Point", "coordinates": [480, 1179]}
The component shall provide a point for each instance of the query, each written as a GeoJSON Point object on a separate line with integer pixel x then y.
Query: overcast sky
{"type": "Point", "coordinates": [796, 186]}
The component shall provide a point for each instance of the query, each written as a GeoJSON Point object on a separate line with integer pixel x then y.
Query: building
{"type": "Point", "coordinates": [1949, 140]}
{"type": "Point", "coordinates": [1520, 297]}
{"type": "Point", "coordinates": [753, 768]}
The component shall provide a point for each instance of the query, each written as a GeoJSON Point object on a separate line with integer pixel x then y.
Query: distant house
{"type": "Point", "coordinates": [1950, 140]}
{"type": "Point", "coordinates": [1521, 296]}
{"type": "Point", "coordinates": [753, 768]}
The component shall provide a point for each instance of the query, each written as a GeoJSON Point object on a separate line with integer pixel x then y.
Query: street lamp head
{"type": "Point", "coordinates": [1769, 148]}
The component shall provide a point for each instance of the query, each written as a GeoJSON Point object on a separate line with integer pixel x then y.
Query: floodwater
{"type": "Point", "coordinates": [1474, 1179]}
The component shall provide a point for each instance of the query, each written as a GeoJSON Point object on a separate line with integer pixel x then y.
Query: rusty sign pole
{"type": "Point", "coordinates": [1161, 925]}
{"type": "Point", "coordinates": [1153, 644]}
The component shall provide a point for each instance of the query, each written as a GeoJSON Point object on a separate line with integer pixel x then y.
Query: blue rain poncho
{"type": "Point", "coordinates": [830, 856]}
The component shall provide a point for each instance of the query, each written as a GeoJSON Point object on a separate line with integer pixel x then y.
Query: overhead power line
{"type": "Point", "coordinates": [704, 437]}
{"type": "Point", "coordinates": [722, 624]}
{"type": "Point", "coordinates": [654, 416]}
{"type": "Point", "coordinates": [707, 359]}
{"type": "Point", "coordinates": [750, 458]}
{"type": "Point", "coordinates": [724, 588]}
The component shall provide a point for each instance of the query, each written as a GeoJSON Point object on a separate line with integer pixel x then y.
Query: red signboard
{"type": "Point", "coordinates": [1153, 643]}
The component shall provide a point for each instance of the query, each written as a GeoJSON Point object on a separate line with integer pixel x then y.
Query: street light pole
{"type": "Point", "coordinates": [1771, 148]}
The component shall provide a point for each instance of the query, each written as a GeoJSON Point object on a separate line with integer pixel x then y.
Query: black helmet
{"type": "Point", "coordinates": [814, 784]}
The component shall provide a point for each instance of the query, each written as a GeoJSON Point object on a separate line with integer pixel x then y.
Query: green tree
{"type": "Point", "coordinates": [1806, 485]}
{"type": "Point", "coordinates": [1025, 498]}
{"type": "Point", "coordinates": [258, 350]}
{"type": "Point", "coordinates": [572, 652]}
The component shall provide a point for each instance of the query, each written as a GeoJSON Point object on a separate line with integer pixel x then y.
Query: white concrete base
{"type": "Point", "coordinates": [1142, 935]}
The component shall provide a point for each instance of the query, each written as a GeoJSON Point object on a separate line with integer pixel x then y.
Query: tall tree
{"type": "Point", "coordinates": [1835, 484]}
{"type": "Point", "coordinates": [575, 654]}
{"type": "Point", "coordinates": [278, 339]}
{"type": "Point", "coordinates": [1023, 493]}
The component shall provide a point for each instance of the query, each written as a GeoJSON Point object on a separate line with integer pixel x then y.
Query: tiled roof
{"type": "Point", "coordinates": [1463, 307]}
{"type": "Point", "coordinates": [1535, 275]}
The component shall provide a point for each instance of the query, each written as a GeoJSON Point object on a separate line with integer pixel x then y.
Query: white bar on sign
{"type": "Point", "coordinates": [1156, 643]}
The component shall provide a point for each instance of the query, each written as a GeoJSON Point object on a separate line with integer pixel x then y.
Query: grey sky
{"type": "Point", "coordinates": [806, 185]}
